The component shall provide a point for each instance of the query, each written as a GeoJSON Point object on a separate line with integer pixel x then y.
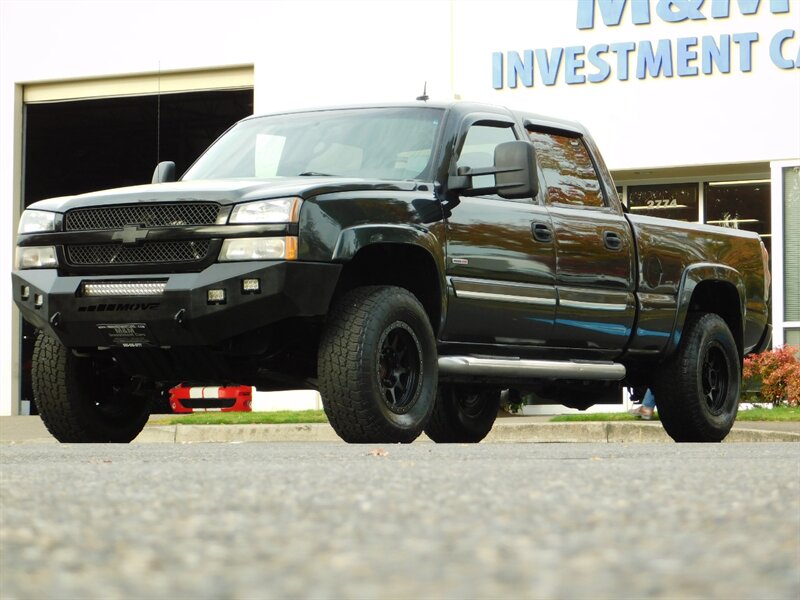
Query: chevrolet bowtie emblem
{"type": "Point", "coordinates": [130, 235]}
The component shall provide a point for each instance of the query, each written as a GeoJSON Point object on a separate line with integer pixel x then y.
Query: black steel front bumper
{"type": "Point", "coordinates": [179, 316]}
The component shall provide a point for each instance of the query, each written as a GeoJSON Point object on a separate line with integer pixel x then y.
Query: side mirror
{"type": "Point", "coordinates": [165, 172]}
{"type": "Point", "coordinates": [515, 164]}
{"type": "Point", "coordinates": [514, 170]}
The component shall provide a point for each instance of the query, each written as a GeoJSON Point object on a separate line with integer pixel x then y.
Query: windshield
{"type": "Point", "coordinates": [375, 143]}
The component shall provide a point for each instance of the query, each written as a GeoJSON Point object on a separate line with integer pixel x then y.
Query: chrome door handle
{"type": "Point", "coordinates": [541, 232]}
{"type": "Point", "coordinates": [612, 240]}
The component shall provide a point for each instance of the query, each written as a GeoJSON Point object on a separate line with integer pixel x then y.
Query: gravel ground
{"type": "Point", "coordinates": [421, 521]}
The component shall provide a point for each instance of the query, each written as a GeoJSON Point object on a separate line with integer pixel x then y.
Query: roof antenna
{"type": "Point", "coordinates": [158, 117]}
{"type": "Point", "coordinates": [424, 96]}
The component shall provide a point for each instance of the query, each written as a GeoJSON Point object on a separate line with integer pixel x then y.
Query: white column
{"type": "Point", "coordinates": [778, 321]}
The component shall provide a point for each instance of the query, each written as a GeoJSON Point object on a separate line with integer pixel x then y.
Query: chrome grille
{"type": "Point", "coordinates": [149, 252]}
{"type": "Point", "coordinates": [145, 215]}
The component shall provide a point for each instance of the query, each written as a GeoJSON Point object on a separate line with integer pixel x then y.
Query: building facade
{"type": "Point", "coordinates": [695, 104]}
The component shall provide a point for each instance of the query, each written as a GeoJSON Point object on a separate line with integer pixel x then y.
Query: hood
{"type": "Point", "coordinates": [223, 191]}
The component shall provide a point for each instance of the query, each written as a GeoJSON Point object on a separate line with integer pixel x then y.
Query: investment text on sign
{"type": "Point", "coordinates": [689, 56]}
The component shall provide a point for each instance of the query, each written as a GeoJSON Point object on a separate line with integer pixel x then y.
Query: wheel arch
{"type": "Point", "coordinates": [711, 288]}
{"type": "Point", "coordinates": [404, 256]}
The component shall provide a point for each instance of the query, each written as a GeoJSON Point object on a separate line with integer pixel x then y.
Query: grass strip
{"type": "Point", "coordinates": [597, 417]}
{"type": "Point", "coordinates": [243, 418]}
{"type": "Point", "coordinates": [779, 413]}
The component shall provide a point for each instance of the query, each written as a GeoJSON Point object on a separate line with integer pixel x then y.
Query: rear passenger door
{"type": "Point", "coordinates": [594, 246]}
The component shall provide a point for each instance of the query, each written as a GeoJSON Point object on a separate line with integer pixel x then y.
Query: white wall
{"type": "Point", "coordinates": [304, 53]}
{"type": "Point", "coordinates": [360, 52]}
{"type": "Point", "coordinates": [655, 122]}
{"type": "Point", "coordinates": [317, 53]}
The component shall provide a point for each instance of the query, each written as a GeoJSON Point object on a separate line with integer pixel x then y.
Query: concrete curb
{"type": "Point", "coordinates": [574, 432]}
{"type": "Point", "coordinates": [31, 430]}
{"type": "Point", "coordinates": [758, 435]}
{"type": "Point", "coordinates": [181, 434]}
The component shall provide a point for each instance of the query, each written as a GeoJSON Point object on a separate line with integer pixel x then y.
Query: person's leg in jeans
{"type": "Point", "coordinates": [645, 409]}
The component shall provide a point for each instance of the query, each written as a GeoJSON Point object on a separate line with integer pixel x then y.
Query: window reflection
{"type": "Point", "coordinates": [568, 170]}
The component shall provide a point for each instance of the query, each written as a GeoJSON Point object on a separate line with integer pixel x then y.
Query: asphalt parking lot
{"type": "Point", "coordinates": [329, 520]}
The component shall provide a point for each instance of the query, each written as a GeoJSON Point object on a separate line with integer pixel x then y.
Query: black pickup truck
{"type": "Point", "coordinates": [410, 261]}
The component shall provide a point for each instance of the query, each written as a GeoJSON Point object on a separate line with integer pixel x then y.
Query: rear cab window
{"type": "Point", "coordinates": [568, 170]}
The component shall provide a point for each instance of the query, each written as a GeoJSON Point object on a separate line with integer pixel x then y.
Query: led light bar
{"type": "Point", "coordinates": [124, 288]}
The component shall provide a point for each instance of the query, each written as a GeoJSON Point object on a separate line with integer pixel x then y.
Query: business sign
{"type": "Point", "coordinates": [689, 56]}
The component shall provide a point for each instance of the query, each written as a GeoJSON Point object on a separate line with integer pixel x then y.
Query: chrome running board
{"type": "Point", "coordinates": [533, 369]}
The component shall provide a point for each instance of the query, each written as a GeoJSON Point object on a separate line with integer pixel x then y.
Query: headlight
{"type": "Point", "coordinates": [36, 257]}
{"type": "Point", "coordinates": [280, 210]}
{"type": "Point", "coordinates": [33, 221]}
{"type": "Point", "coordinates": [271, 248]}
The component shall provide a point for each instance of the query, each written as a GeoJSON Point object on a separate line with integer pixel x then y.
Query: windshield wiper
{"type": "Point", "coordinates": [314, 174]}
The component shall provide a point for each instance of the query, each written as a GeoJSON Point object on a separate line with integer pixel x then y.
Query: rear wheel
{"type": "Point", "coordinates": [83, 399]}
{"type": "Point", "coordinates": [378, 366]}
{"type": "Point", "coordinates": [463, 414]}
{"type": "Point", "coordinates": [697, 391]}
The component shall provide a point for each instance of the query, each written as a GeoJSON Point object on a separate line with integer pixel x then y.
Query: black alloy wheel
{"type": "Point", "coordinates": [697, 388]}
{"type": "Point", "coordinates": [399, 366]}
{"type": "Point", "coordinates": [378, 366]}
{"type": "Point", "coordinates": [715, 376]}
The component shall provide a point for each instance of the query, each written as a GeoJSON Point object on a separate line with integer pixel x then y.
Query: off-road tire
{"type": "Point", "coordinates": [463, 414]}
{"type": "Point", "coordinates": [697, 389]}
{"type": "Point", "coordinates": [80, 399]}
{"type": "Point", "coordinates": [356, 353]}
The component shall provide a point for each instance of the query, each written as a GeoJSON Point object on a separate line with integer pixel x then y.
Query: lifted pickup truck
{"type": "Point", "coordinates": [409, 261]}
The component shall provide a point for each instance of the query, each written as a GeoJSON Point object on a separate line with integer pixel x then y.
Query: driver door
{"type": "Point", "coordinates": [500, 255]}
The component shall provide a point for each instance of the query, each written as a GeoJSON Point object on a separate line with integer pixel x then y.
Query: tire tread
{"type": "Point", "coordinates": [680, 412]}
{"type": "Point", "coordinates": [344, 387]}
{"type": "Point", "coordinates": [60, 394]}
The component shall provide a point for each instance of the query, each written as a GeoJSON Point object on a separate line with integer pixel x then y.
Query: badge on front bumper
{"type": "Point", "coordinates": [126, 335]}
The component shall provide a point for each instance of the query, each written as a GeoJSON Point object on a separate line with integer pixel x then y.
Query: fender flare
{"type": "Point", "coordinates": [693, 276]}
{"type": "Point", "coordinates": [353, 239]}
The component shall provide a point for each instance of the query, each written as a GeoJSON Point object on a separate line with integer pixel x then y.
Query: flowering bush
{"type": "Point", "coordinates": [778, 373]}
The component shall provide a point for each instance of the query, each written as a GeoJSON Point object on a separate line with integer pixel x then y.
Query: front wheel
{"type": "Point", "coordinates": [697, 391]}
{"type": "Point", "coordinates": [463, 414]}
{"type": "Point", "coordinates": [83, 399]}
{"type": "Point", "coordinates": [378, 366]}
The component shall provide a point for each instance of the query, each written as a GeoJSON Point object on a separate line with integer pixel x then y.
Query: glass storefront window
{"type": "Point", "coordinates": [792, 337]}
{"type": "Point", "coordinates": [791, 243]}
{"type": "Point", "coordinates": [671, 200]}
{"type": "Point", "coordinates": [740, 206]}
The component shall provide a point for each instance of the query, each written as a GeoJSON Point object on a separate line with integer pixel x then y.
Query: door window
{"type": "Point", "coordinates": [568, 170]}
{"type": "Point", "coordinates": [478, 150]}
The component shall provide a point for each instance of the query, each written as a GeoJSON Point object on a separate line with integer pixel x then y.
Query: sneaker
{"type": "Point", "coordinates": [642, 411]}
